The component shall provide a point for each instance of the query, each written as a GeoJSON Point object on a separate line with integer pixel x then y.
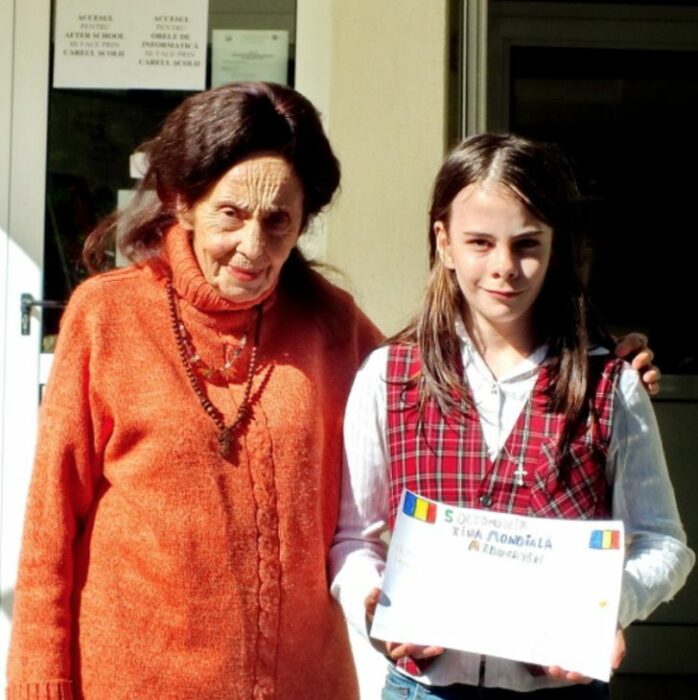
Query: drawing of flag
{"type": "Point", "coordinates": [605, 539]}
{"type": "Point", "coordinates": [419, 508]}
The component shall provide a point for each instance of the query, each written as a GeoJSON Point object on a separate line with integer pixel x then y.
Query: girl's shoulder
{"type": "Point", "coordinates": [376, 363]}
{"type": "Point", "coordinates": [401, 349]}
{"type": "Point", "coordinates": [369, 386]}
{"type": "Point", "coordinates": [378, 369]}
{"type": "Point", "coordinates": [402, 361]}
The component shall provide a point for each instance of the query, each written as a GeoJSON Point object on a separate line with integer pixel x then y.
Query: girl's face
{"type": "Point", "coordinates": [500, 253]}
{"type": "Point", "coordinates": [246, 226]}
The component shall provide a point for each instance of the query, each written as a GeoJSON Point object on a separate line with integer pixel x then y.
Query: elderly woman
{"type": "Point", "coordinates": [186, 483]}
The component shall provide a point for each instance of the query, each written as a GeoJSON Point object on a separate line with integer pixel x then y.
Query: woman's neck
{"type": "Point", "coordinates": [502, 346]}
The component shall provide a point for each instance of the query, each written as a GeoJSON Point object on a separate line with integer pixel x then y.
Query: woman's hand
{"type": "Point", "coordinates": [633, 347]}
{"type": "Point", "coordinates": [573, 677]}
{"type": "Point", "coordinates": [394, 650]}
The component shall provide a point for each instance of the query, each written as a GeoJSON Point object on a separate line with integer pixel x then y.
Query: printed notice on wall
{"type": "Point", "coordinates": [249, 54]}
{"type": "Point", "coordinates": [538, 590]}
{"type": "Point", "coordinates": [126, 44]}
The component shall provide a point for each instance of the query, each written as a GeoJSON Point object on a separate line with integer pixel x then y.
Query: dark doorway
{"type": "Point", "coordinates": [627, 120]}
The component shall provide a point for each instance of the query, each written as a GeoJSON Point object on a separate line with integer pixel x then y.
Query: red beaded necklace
{"type": "Point", "coordinates": [226, 433]}
{"type": "Point", "coordinates": [216, 375]}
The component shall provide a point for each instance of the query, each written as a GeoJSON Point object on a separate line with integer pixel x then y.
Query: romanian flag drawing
{"type": "Point", "coordinates": [605, 539]}
{"type": "Point", "coordinates": [419, 508]}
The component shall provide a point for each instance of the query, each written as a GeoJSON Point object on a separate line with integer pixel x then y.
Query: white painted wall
{"type": "Point", "coordinates": [377, 72]}
{"type": "Point", "coordinates": [22, 174]}
{"type": "Point", "coordinates": [6, 20]}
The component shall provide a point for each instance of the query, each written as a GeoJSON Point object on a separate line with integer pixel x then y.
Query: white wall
{"type": "Point", "coordinates": [377, 72]}
{"type": "Point", "coordinates": [6, 21]}
{"type": "Point", "coordinates": [22, 161]}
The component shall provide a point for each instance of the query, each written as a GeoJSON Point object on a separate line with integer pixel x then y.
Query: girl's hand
{"type": "Point", "coordinates": [394, 650]}
{"type": "Point", "coordinates": [397, 651]}
{"type": "Point", "coordinates": [573, 677]}
{"type": "Point", "coordinates": [633, 347]}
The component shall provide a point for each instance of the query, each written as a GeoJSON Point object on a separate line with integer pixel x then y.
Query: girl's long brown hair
{"type": "Point", "coordinates": [539, 176]}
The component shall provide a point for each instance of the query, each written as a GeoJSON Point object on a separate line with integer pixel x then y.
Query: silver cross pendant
{"type": "Point", "coordinates": [520, 473]}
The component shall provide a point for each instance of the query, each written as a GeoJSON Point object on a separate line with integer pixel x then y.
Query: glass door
{"type": "Point", "coordinates": [93, 132]}
{"type": "Point", "coordinates": [70, 162]}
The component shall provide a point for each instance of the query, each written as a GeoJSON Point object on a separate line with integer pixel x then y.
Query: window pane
{"type": "Point", "coordinates": [93, 132]}
{"type": "Point", "coordinates": [626, 117]}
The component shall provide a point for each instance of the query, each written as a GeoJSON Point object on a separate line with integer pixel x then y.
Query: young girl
{"type": "Point", "coordinates": [501, 396]}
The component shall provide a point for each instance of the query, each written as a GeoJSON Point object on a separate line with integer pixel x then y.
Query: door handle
{"type": "Point", "coordinates": [26, 303]}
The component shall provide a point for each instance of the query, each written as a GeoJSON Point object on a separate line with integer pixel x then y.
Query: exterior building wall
{"type": "Point", "coordinates": [377, 72]}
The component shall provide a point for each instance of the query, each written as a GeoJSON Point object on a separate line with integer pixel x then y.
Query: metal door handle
{"type": "Point", "coordinates": [26, 303]}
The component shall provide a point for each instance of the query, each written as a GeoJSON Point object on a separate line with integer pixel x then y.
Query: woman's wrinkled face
{"type": "Point", "coordinates": [246, 225]}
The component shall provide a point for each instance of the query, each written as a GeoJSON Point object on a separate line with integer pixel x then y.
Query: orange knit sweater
{"type": "Point", "coordinates": [151, 566]}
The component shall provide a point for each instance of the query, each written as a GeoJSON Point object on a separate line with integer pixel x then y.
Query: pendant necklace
{"type": "Point", "coordinates": [519, 473]}
{"type": "Point", "coordinates": [486, 499]}
{"type": "Point", "coordinates": [216, 375]}
{"type": "Point", "coordinates": [190, 361]}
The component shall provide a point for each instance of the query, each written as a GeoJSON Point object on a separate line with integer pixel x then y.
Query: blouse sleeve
{"type": "Point", "coordinates": [65, 477]}
{"type": "Point", "coordinates": [657, 557]}
{"type": "Point", "coordinates": [357, 556]}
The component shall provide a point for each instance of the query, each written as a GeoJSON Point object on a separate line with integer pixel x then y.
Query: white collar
{"type": "Point", "coordinates": [526, 368]}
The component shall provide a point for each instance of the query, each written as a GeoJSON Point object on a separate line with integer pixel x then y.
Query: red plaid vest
{"type": "Point", "coordinates": [446, 459]}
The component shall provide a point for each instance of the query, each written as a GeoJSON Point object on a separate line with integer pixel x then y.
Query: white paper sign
{"type": "Point", "coordinates": [538, 590]}
{"type": "Point", "coordinates": [249, 54]}
{"type": "Point", "coordinates": [123, 44]}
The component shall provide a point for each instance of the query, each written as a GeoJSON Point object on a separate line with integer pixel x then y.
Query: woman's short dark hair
{"type": "Point", "coordinates": [206, 135]}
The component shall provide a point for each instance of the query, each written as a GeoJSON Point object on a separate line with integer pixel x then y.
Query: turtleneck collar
{"type": "Point", "coordinates": [190, 283]}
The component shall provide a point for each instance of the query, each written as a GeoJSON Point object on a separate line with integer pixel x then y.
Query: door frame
{"type": "Point", "coordinates": [24, 68]}
{"type": "Point", "coordinates": [473, 91]}
{"type": "Point", "coordinates": [579, 26]}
